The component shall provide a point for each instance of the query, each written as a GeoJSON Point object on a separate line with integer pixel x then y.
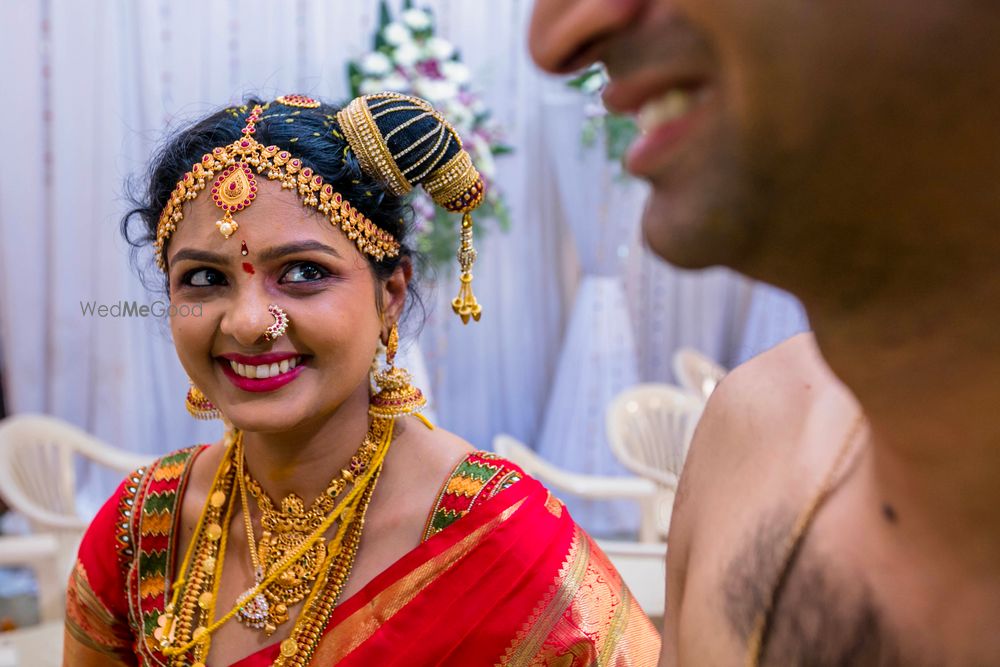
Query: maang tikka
{"type": "Point", "coordinates": [396, 396]}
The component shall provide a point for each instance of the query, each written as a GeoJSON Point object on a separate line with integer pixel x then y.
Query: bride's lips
{"type": "Point", "coordinates": [248, 372]}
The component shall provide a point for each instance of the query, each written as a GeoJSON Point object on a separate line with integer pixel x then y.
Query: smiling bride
{"type": "Point", "coordinates": [332, 524]}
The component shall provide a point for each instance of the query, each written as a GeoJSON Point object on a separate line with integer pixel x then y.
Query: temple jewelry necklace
{"type": "Point", "coordinates": [284, 530]}
{"type": "Point", "coordinates": [196, 592]}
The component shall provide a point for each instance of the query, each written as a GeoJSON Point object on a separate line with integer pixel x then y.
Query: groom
{"type": "Point", "coordinates": [841, 502]}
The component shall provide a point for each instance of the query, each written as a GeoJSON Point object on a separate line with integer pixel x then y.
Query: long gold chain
{"type": "Point", "coordinates": [198, 587]}
{"type": "Point", "coordinates": [834, 475]}
{"type": "Point", "coordinates": [283, 531]}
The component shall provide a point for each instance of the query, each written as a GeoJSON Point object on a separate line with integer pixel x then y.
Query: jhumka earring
{"type": "Point", "coordinates": [279, 326]}
{"type": "Point", "coordinates": [396, 397]}
{"type": "Point", "coordinates": [199, 406]}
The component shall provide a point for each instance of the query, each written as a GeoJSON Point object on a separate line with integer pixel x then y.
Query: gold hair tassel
{"type": "Point", "coordinates": [465, 304]}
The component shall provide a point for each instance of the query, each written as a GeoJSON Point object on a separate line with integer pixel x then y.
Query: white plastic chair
{"type": "Point", "coordinates": [649, 430]}
{"type": "Point", "coordinates": [40, 553]}
{"type": "Point", "coordinates": [696, 372]}
{"type": "Point", "coordinates": [594, 487]}
{"type": "Point", "coordinates": [38, 475]}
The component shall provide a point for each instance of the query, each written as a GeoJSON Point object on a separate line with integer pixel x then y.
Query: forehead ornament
{"type": "Point", "coordinates": [233, 170]}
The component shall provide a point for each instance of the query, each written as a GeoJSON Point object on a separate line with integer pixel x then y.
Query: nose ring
{"type": "Point", "coordinates": [280, 325]}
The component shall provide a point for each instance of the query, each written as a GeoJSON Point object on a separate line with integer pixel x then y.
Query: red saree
{"type": "Point", "coordinates": [513, 582]}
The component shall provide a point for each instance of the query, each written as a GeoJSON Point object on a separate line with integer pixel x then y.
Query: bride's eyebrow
{"type": "Point", "coordinates": [276, 252]}
{"type": "Point", "coordinates": [198, 255]}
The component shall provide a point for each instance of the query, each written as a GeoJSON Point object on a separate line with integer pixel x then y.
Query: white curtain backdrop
{"type": "Point", "coordinates": [90, 88]}
{"type": "Point", "coordinates": [597, 356]}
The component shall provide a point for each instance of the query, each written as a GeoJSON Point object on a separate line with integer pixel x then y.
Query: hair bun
{"type": "Point", "coordinates": [404, 141]}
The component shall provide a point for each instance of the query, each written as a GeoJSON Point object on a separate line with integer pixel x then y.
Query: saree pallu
{"type": "Point", "coordinates": [508, 579]}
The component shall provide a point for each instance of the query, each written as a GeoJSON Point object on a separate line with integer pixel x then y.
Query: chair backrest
{"type": "Point", "coordinates": [654, 500]}
{"type": "Point", "coordinates": [696, 372]}
{"type": "Point", "coordinates": [649, 430]}
{"type": "Point", "coordinates": [37, 468]}
{"type": "Point", "coordinates": [516, 451]}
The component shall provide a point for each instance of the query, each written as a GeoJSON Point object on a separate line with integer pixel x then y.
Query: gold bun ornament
{"type": "Point", "coordinates": [445, 171]}
{"type": "Point", "coordinates": [234, 168]}
{"type": "Point", "coordinates": [396, 396]}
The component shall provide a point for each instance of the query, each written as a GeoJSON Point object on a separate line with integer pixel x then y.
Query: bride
{"type": "Point", "coordinates": [332, 524]}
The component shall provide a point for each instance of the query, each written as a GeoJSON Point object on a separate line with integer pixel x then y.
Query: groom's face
{"type": "Point", "coordinates": [785, 133]}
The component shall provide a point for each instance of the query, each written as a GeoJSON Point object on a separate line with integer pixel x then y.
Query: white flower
{"type": "Point", "coordinates": [407, 54]}
{"type": "Point", "coordinates": [376, 64]}
{"type": "Point", "coordinates": [395, 82]}
{"type": "Point", "coordinates": [396, 34]}
{"type": "Point", "coordinates": [435, 90]}
{"type": "Point", "coordinates": [455, 72]}
{"type": "Point", "coordinates": [416, 19]}
{"type": "Point", "coordinates": [439, 49]}
{"type": "Point", "coordinates": [458, 115]}
{"type": "Point", "coordinates": [482, 156]}
{"type": "Point", "coordinates": [369, 86]}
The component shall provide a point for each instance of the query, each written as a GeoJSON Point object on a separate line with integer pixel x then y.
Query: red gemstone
{"type": "Point", "coordinates": [253, 188]}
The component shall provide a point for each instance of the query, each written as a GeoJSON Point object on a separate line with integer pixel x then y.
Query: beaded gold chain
{"type": "Point", "coordinates": [282, 532]}
{"type": "Point", "coordinates": [196, 592]}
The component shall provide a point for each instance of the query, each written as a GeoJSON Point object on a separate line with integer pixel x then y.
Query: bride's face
{"type": "Point", "coordinates": [298, 261]}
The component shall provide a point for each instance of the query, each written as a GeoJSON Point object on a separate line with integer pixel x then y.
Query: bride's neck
{"type": "Point", "coordinates": [304, 460]}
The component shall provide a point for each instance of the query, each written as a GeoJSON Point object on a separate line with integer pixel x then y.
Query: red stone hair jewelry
{"type": "Point", "coordinates": [280, 324]}
{"type": "Point", "coordinates": [231, 170]}
{"type": "Point", "coordinates": [300, 101]}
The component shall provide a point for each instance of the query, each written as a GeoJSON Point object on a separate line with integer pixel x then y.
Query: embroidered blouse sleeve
{"type": "Point", "coordinates": [479, 477]}
{"type": "Point", "coordinates": [96, 602]}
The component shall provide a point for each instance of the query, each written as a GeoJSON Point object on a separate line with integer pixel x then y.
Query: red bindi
{"type": "Point", "coordinates": [248, 267]}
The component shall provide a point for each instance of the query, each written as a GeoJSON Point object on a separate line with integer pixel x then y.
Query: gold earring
{"type": "Point", "coordinates": [199, 406]}
{"type": "Point", "coordinates": [396, 396]}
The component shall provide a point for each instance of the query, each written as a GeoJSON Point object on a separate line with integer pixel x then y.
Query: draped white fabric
{"type": "Point", "coordinates": [89, 89]}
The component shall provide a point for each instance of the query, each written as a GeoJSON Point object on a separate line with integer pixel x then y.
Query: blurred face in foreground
{"type": "Point", "coordinates": [831, 145]}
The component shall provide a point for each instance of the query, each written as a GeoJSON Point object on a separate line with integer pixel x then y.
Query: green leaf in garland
{"type": "Point", "coordinates": [354, 78]}
{"type": "Point", "coordinates": [384, 15]}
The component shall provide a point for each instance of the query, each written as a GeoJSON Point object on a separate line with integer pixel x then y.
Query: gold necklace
{"type": "Point", "coordinates": [196, 591]}
{"type": "Point", "coordinates": [835, 474]}
{"type": "Point", "coordinates": [283, 531]}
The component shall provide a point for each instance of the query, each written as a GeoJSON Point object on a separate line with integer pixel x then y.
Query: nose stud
{"type": "Point", "coordinates": [279, 326]}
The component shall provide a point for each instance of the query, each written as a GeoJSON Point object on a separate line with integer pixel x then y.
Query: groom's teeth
{"type": "Point", "coordinates": [668, 107]}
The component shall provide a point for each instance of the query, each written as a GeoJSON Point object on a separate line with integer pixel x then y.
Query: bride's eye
{"type": "Point", "coordinates": [205, 278]}
{"type": "Point", "coordinates": [304, 272]}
